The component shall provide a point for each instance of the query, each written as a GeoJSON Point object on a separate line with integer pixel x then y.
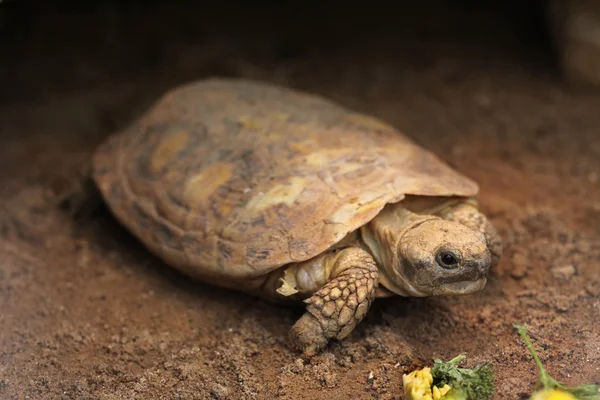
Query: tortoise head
{"type": "Point", "coordinates": [439, 257]}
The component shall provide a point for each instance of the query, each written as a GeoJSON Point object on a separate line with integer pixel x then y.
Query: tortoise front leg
{"type": "Point", "coordinates": [340, 304]}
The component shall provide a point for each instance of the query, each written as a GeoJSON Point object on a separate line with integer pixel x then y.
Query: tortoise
{"type": "Point", "coordinates": [289, 196]}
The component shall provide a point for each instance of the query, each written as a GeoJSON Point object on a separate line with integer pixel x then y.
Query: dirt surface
{"type": "Point", "coordinates": [87, 313]}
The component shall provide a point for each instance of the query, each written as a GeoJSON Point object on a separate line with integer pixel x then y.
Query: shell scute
{"type": "Point", "coordinates": [244, 177]}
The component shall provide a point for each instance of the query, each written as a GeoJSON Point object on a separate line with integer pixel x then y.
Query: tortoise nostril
{"type": "Point", "coordinates": [483, 265]}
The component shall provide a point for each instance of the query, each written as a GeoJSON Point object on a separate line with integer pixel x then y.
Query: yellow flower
{"type": "Point", "coordinates": [438, 393]}
{"type": "Point", "coordinates": [553, 394]}
{"type": "Point", "coordinates": [551, 388]}
{"type": "Point", "coordinates": [417, 386]}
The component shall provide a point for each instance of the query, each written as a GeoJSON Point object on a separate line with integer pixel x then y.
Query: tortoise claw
{"type": "Point", "coordinates": [307, 335]}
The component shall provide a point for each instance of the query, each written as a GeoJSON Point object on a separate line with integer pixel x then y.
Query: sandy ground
{"type": "Point", "coordinates": [87, 313]}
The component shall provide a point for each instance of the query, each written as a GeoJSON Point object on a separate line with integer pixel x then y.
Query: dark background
{"type": "Point", "coordinates": [87, 313]}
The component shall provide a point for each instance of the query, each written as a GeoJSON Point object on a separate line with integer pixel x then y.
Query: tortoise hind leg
{"type": "Point", "coordinates": [334, 310]}
{"type": "Point", "coordinates": [82, 198]}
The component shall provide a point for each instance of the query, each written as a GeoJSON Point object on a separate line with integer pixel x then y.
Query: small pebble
{"type": "Point", "coordinates": [593, 288]}
{"type": "Point", "coordinates": [563, 272]}
{"type": "Point", "coordinates": [520, 266]}
{"type": "Point", "coordinates": [219, 391]}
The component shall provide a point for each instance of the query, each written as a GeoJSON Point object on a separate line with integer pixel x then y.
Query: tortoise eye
{"type": "Point", "coordinates": [448, 260]}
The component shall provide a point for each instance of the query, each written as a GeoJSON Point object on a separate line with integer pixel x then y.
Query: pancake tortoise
{"type": "Point", "coordinates": [291, 197]}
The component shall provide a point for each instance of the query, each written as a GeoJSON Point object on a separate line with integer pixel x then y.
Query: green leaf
{"type": "Point", "coordinates": [475, 384]}
{"type": "Point", "coordinates": [547, 382]}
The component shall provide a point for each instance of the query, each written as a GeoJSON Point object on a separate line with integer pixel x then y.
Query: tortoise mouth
{"type": "Point", "coordinates": [460, 288]}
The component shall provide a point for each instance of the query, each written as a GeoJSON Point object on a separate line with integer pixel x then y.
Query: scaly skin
{"type": "Point", "coordinates": [467, 213]}
{"type": "Point", "coordinates": [205, 196]}
{"type": "Point", "coordinates": [400, 251]}
{"type": "Point", "coordinates": [338, 306]}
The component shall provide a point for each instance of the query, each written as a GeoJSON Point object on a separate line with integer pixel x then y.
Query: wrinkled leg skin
{"type": "Point", "coordinates": [337, 307]}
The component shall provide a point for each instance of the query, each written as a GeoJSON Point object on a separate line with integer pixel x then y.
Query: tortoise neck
{"type": "Point", "coordinates": [382, 237]}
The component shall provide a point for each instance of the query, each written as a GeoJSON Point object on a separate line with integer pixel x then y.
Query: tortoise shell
{"type": "Point", "coordinates": [233, 178]}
